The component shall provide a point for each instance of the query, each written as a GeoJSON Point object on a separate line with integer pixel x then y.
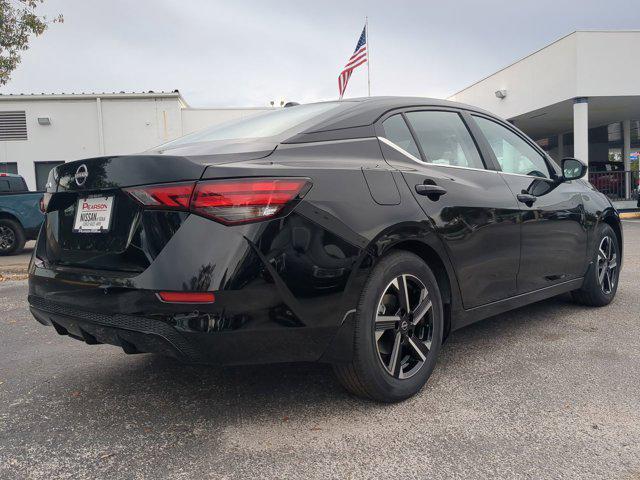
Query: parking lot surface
{"type": "Point", "coordinates": [550, 390]}
{"type": "Point", "coordinates": [13, 267]}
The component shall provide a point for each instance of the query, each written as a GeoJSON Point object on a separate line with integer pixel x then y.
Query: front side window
{"type": "Point", "coordinates": [396, 130]}
{"type": "Point", "coordinates": [513, 153]}
{"type": "Point", "coordinates": [444, 139]}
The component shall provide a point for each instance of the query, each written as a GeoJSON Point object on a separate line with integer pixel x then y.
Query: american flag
{"type": "Point", "coordinates": [359, 57]}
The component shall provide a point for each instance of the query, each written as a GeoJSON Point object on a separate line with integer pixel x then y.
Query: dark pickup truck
{"type": "Point", "coordinates": [20, 215]}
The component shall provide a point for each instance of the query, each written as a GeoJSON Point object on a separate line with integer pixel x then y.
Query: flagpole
{"type": "Point", "coordinates": [366, 26]}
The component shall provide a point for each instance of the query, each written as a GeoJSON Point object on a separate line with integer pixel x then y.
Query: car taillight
{"type": "Point", "coordinates": [230, 202]}
{"type": "Point", "coordinates": [169, 195]}
{"type": "Point", "coordinates": [246, 200]}
{"type": "Point", "coordinates": [44, 202]}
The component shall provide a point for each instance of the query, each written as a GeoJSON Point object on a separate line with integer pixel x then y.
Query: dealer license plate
{"type": "Point", "coordinates": [93, 215]}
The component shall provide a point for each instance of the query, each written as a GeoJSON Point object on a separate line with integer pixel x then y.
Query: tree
{"type": "Point", "coordinates": [19, 21]}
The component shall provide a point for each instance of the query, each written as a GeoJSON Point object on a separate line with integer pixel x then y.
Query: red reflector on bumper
{"type": "Point", "coordinates": [187, 297]}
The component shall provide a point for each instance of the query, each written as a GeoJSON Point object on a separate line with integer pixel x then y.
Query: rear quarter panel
{"type": "Point", "coordinates": [352, 224]}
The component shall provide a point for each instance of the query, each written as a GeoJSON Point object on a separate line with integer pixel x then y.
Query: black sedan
{"type": "Point", "coordinates": [359, 233]}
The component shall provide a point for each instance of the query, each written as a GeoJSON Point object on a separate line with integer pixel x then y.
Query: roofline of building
{"type": "Point", "coordinates": [539, 50]}
{"type": "Point", "coordinates": [90, 96]}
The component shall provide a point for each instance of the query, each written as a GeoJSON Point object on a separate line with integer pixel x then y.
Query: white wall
{"type": "Point", "coordinates": [607, 64]}
{"type": "Point", "coordinates": [73, 134]}
{"type": "Point", "coordinates": [129, 125]}
{"type": "Point", "coordinates": [132, 126]}
{"type": "Point", "coordinates": [543, 78]}
{"type": "Point", "coordinates": [582, 64]}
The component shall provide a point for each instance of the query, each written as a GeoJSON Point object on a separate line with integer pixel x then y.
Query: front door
{"type": "Point", "coordinates": [554, 237]}
{"type": "Point", "coordinates": [476, 216]}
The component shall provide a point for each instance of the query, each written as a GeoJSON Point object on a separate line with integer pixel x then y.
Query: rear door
{"type": "Point", "coordinates": [554, 235]}
{"type": "Point", "coordinates": [470, 206]}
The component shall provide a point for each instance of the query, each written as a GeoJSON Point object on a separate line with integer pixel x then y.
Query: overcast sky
{"type": "Point", "coordinates": [246, 53]}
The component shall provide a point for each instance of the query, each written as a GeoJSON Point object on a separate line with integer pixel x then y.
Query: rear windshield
{"type": "Point", "coordinates": [262, 125]}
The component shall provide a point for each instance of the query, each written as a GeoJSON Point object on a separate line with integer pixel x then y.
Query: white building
{"type": "Point", "coordinates": [578, 96]}
{"type": "Point", "coordinates": [38, 132]}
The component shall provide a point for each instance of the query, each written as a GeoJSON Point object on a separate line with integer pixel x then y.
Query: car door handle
{"type": "Point", "coordinates": [434, 192]}
{"type": "Point", "coordinates": [526, 198]}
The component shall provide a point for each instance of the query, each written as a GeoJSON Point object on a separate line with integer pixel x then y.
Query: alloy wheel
{"type": "Point", "coordinates": [404, 326]}
{"type": "Point", "coordinates": [7, 238]}
{"type": "Point", "coordinates": [607, 265]}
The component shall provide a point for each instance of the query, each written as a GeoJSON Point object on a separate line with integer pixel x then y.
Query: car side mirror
{"type": "Point", "coordinates": [572, 169]}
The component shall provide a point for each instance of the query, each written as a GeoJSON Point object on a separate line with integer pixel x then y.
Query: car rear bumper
{"type": "Point", "coordinates": [279, 297]}
{"type": "Point", "coordinates": [134, 334]}
{"type": "Point", "coordinates": [138, 334]}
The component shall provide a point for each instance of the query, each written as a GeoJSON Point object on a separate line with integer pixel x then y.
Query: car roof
{"type": "Point", "coordinates": [367, 110]}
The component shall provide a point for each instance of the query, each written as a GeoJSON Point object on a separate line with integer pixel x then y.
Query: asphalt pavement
{"type": "Point", "coordinates": [551, 390]}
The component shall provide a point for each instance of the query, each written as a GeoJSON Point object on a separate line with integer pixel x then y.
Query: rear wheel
{"type": "Point", "coordinates": [12, 238]}
{"type": "Point", "coordinates": [398, 331]}
{"type": "Point", "coordinates": [601, 282]}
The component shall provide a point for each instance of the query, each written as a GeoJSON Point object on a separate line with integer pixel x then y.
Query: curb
{"type": "Point", "coordinates": [626, 215]}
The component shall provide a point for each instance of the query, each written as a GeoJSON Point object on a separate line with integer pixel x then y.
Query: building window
{"type": "Point", "coordinates": [605, 148]}
{"type": "Point", "coordinates": [13, 125]}
{"type": "Point", "coordinates": [634, 155]}
{"type": "Point", "coordinates": [9, 167]}
{"type": "Point", "coordinates": [42, 173]}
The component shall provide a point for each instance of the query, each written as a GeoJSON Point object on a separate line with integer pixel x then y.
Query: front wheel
{"type": "Point", "coordinates": [12, 237]}
{"type": "Point", "coordinates": [398, 331]}
{"type": "Point", "coordinates": [601, 282]}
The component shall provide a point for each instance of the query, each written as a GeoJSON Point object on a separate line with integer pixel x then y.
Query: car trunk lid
{"type": "Point", "coordinates": [133, 236]}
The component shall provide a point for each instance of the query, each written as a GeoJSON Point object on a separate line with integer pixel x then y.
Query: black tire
{"type": "Point", "coordinates": [368, 375]}
{"type": "Point", "coordinates": [594, 291]}
{"type": "Point", "coordinates": [12, 237]}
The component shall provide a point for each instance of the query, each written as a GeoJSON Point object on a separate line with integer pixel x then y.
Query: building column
{"type": "Point", "coordinates": [581, 129]}
{"type": "Point", "coordinates": [100, 126]}
{"type": "Point", "coordinates": [626, 153]}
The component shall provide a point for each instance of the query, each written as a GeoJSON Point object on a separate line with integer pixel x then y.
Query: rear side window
{"type": "Point", "coordinates": [4, 186]}
{"type": "Point", "coordinates": [396, 130]}
{"type": "Point", "coordinates": [444, 139]}
{"type": "Point", "coordinates": [513, 153]}
{"type": "Point", "coordinates": [18, 184]}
